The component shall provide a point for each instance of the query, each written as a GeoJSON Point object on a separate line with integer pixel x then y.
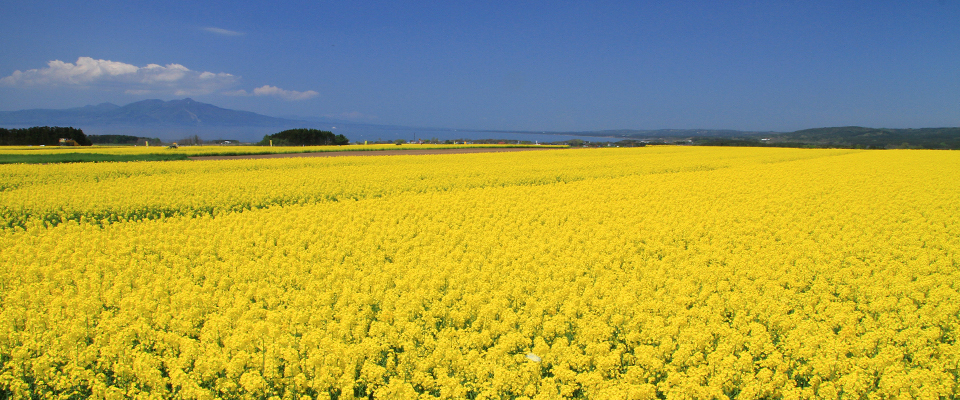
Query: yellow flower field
{"type": "Point", "coordinates": [213, 150]}
{"type": "Point", "coordinates": [658, 272]}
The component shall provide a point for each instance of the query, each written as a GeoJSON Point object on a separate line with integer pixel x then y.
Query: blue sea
{"type": "Point", "coordinates": [357, 133]}
{"type": "Point", "coordinates": [382, 134]}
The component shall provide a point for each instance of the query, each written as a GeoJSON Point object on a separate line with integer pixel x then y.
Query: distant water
{"type": "Point", "coordinates": [356, 133]}
{"type": "Point", "coordinates": [360, 134]}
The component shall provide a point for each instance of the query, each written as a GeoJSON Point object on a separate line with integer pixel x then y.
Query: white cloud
{"type": "Point", "coordinates": [85, 71]}
{"type": "Point", "coordinates": [224, 32]}
{"type": "Point", "coordinates": [267, 90]}
{"type": "Point", "coordinates": [151, 79]}
{"type": "Point", "coordinates": [106, 74]}
{"type": "Point", "coordinates": [171, 73]}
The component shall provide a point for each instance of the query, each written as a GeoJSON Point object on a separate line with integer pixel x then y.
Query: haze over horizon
{"type": "Point", "coordinates": [572, 66]}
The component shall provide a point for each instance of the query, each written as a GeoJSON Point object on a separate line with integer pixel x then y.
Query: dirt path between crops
{"type": "Point", "coordinates": [374, 153]}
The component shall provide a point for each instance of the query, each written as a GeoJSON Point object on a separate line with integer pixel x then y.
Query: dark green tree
{"type": "Point", "coordinates": [42, 135]}
{"type": "Point", "coordinates": [305, 137]}
{"type": "Point", "coordinates": [122, 139]}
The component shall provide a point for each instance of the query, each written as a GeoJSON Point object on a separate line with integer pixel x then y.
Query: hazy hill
{"type": "Point", "coordinates": [857, 136]}
{"type": "Point", "coordinates": [848, 137]}
{"type": "Point", "coordinates": [146, 113]}
{"type": "Point", "coordinates": [840, 137]}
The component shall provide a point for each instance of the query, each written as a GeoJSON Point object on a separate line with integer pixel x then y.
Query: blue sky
{"type": "Point", "coordinates": [527, 65]}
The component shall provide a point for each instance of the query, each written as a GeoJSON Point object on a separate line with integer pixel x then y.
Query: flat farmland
{"type": "Point", "coordinates": [382, 152]}
{"type": "Point", "coordinates": [81, 154]}
{"type": "Point", "coordinates": [642, 273]}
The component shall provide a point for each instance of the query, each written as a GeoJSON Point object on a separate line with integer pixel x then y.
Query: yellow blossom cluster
{"type": "Point", "coordinates": [664, 272]}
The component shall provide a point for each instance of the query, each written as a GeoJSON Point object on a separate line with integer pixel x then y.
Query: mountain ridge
{"type": "Point", "coordinates": [148, 113]}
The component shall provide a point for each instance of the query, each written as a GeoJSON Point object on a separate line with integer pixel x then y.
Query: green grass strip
{"type": "Point", "coordinates": [85, 158]}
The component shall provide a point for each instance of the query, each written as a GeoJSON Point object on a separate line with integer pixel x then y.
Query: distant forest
{"type": "Point", "coordinates": [122, 139]}
{"type": "Point", "coordinates": [42, 135]}
{"type": "Point", "coordinates": [304, 137]}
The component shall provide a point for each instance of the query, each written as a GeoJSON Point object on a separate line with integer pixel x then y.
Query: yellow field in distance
{"type": "Point", "coordinates": [213, 150]}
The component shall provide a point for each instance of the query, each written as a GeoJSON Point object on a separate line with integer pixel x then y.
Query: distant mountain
{"type": "Point", "coordinates": [146, 113]}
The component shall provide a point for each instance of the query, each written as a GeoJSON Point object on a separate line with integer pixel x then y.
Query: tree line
{"type": "Point", "coordinates": [42, 135]}
{"type": "Point", "coordinates": [123, 139]}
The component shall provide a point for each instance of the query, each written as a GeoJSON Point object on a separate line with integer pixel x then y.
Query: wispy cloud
{"type": "Point", "coordinates": [267, 90]}
{"type": "Point", "coordinates": [151, 79]}
{"type": "Point", "coordinates": [223, 32]}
